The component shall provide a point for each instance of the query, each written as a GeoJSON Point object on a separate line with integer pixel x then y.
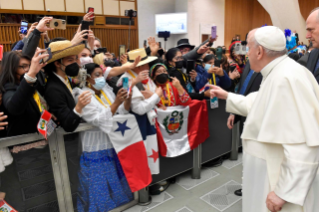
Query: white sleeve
{"type": "Point", "coordinates": [121, 109]}
{"type": "Point", "coordinates": [239, 104]}
{"type": "Point", "coordinates": [92, 114]}
{"type": "Point", "coordinates": [107, 72]}
{"type": "Point", "coordinates": [297, 173]}
{"type": "Point", "coordinates": [141, 106]}
{"type": "Point", "coordinates": [76, 112]}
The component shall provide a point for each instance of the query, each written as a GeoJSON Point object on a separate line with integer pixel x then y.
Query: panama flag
{"type": "Point", "coordinates": [181, 129]}
{"type": "Point", "coordinates": [129, 145]}
{"type": "Point", "coordinates": [148, 132]}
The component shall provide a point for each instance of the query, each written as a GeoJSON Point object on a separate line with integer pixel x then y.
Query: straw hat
{"type": "Point", "coordinates": [61, 49]}
{"type": "Point", "coordinates": [132, 55]}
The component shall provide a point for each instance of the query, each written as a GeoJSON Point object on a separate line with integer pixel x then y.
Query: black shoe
{"type": "Point", "coordinates": [238, 192]}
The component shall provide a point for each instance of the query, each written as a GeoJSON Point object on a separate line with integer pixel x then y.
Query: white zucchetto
{"type": "Point", "coordinates": [271, 38]}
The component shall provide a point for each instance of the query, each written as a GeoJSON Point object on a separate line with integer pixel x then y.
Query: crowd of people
{"type": "Point", "coordinates": [78, 83]}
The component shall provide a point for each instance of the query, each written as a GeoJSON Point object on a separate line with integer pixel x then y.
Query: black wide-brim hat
{"type": "Point", "coordinates": [184, 43]}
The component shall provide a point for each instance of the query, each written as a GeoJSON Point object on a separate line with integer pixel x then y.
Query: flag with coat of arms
{"type": "Point", "coordinates": [181, 129]}
{"type": "Point", "coordinates": [129, 145]}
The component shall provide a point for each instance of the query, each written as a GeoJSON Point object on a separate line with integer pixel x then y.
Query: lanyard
{"type": "Point", "coordinates": [185, 78]}
{"type": "Point", "coordinates": [214, 78]}
{"type": "Point", "coordinates": [130, 73]}
{"type": "Point", "coordinates": [68, 84]}
{"type": "Point", "coordinates": [169, 97]}
{"type": "Point", "coordinates": [37, 100]}
{"type": "Point", "coordinates": [107, 99]}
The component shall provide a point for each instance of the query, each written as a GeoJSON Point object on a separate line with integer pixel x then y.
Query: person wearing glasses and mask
{"type": "Point", "coordinates": [58, 91]}
{"type": "Point", "coordinates": [174, 62]}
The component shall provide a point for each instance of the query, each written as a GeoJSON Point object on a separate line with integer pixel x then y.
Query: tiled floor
{"type": "Point", "coordinates": [212, 193]}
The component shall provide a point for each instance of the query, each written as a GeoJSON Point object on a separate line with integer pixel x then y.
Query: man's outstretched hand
{"type": "Point", "coordinates": [218, 92]}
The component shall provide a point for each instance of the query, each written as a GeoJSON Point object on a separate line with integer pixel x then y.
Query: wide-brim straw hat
{"type": "Point", "coordinates": [62, 49]}
{"type": "Point", "coordinates": [145, 59]}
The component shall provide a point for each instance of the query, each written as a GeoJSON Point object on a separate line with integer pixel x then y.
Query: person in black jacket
{"type": "Point", "coordinates": [58, 91]}
{"type": "Point", "coordinates": [313, 36]}
{"type": "Point", "coordinates": [22, 86]}
{"type": "Point", "coordinates": [174, 61]}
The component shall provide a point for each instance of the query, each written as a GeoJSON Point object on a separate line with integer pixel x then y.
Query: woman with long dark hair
{"type": "Point", "coordinates": [22, 85]}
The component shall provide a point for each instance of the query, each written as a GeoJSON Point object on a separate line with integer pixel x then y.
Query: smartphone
{"type": "Point", "coordinates": [85, 26]}
{"type": "Point", "coordinates": [1, 52]}
{"type": "Point", "coordinates": [160, 44]}
{"type": "Point", "coordinates": [214, 31]}
{"type": "Point", "coordinates": [190, 66]}
{"type": "Point", "coordinates": [217, 63]}
{"type": "Point", "coordinates": [46, 59]}
{"type": "Point", "coordinates": [125, 83]}
{"type": "Point", "coordinates": [145, 43]}
{"type": "Point", "coordinates": [58, 24]}
{"type": "Point", "coordinates": [91, 10]}
{"type": "Point", "coordinates": [102, 50]}
{"type": "Point", "coordinates": [232, 68]}
{"type": "Point", "coordinates": [122, 50]}
{"type": "Point", "coordinates": [219, 53]}
{"type": "Point", "coordinates": [24, 27]}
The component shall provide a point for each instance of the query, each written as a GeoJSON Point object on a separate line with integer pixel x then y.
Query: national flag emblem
{"type": "Point", "coordinates": [181, 129]}
{"type": "Point", "coordinates": [173, 122]}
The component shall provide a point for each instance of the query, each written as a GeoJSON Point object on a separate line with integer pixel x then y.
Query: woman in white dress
{"type": "Point", "coordinates": [102, 183]}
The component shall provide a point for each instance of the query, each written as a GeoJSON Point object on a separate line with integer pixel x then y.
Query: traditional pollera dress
{"type": "Point", "coordinates": [103, 185]}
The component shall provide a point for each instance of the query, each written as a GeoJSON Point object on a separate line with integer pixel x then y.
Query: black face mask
{"type": "Point", "coordinates": [72, 70]}
{"type": "Point", "coordinates": [179, 64]}
{"type": "Point", "coordinates": [162, 78]}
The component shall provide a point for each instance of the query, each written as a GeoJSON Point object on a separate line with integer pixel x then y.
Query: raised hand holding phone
{"type": "Point", "coordinates": [79, 36]}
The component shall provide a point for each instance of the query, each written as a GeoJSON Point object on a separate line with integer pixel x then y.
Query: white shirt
{"type": "Point", "coordinates": [139, 104]}
{"type": "Point", "coordinates": [97, 114]}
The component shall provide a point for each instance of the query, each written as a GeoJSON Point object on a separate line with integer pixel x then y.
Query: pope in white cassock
{"type": "Point", "coordinates": [281, 132]}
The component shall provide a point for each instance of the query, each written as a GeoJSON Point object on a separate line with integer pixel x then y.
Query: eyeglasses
{"type": "Point", "coordinates": [178, 58]}
{"type": "Point", "coordinates": [25, 67]}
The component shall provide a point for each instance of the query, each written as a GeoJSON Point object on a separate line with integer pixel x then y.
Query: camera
{"type": "Point", "coordinates": [131, 13]}
{"type": "Point", "coordinates": [164, 34]}
{"type": "Point", "coordinates": [58, 24]}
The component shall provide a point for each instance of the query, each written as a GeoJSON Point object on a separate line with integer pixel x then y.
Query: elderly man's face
{"type": "Point", "coordinates": [313, 29]}
{"type": "Point", "coordinates": [253, 51]}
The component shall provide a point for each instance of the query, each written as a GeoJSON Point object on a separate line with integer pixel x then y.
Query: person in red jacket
{"type": "Point", "coordinates": [173, 92]}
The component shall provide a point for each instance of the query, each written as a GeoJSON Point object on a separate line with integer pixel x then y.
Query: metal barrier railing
{"type": "Point", "coordinates": [59, 164]}
{"type": "Point", "coordinates": [219, 143]}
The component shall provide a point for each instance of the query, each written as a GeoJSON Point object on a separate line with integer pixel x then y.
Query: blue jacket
{"type": "Point", "coordinates": [203, 76]}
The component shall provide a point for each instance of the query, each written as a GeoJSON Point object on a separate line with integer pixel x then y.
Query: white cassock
{"type": "Point", "coordinates": [280, 138]}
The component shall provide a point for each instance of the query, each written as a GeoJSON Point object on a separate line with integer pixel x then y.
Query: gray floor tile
{"type": "Point", "coordinates": [188, 183]}
{"type": "Point", "coordinates": [184, 209]}
{"type": "Point", "coordinates": [156, 201]}
{"type": "Point", "coordinates": [223, 197]}
{"type": "Point", "coordinates": [229, 164]}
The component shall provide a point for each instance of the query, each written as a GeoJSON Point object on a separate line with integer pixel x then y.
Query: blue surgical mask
{"type": "Point", "coordinates": [99, 83]}
{"type": "Point", "coordinates": [208, 66]}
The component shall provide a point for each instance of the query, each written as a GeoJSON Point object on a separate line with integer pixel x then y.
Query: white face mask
{"type": "Point", "coordinates": [86, 60]}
